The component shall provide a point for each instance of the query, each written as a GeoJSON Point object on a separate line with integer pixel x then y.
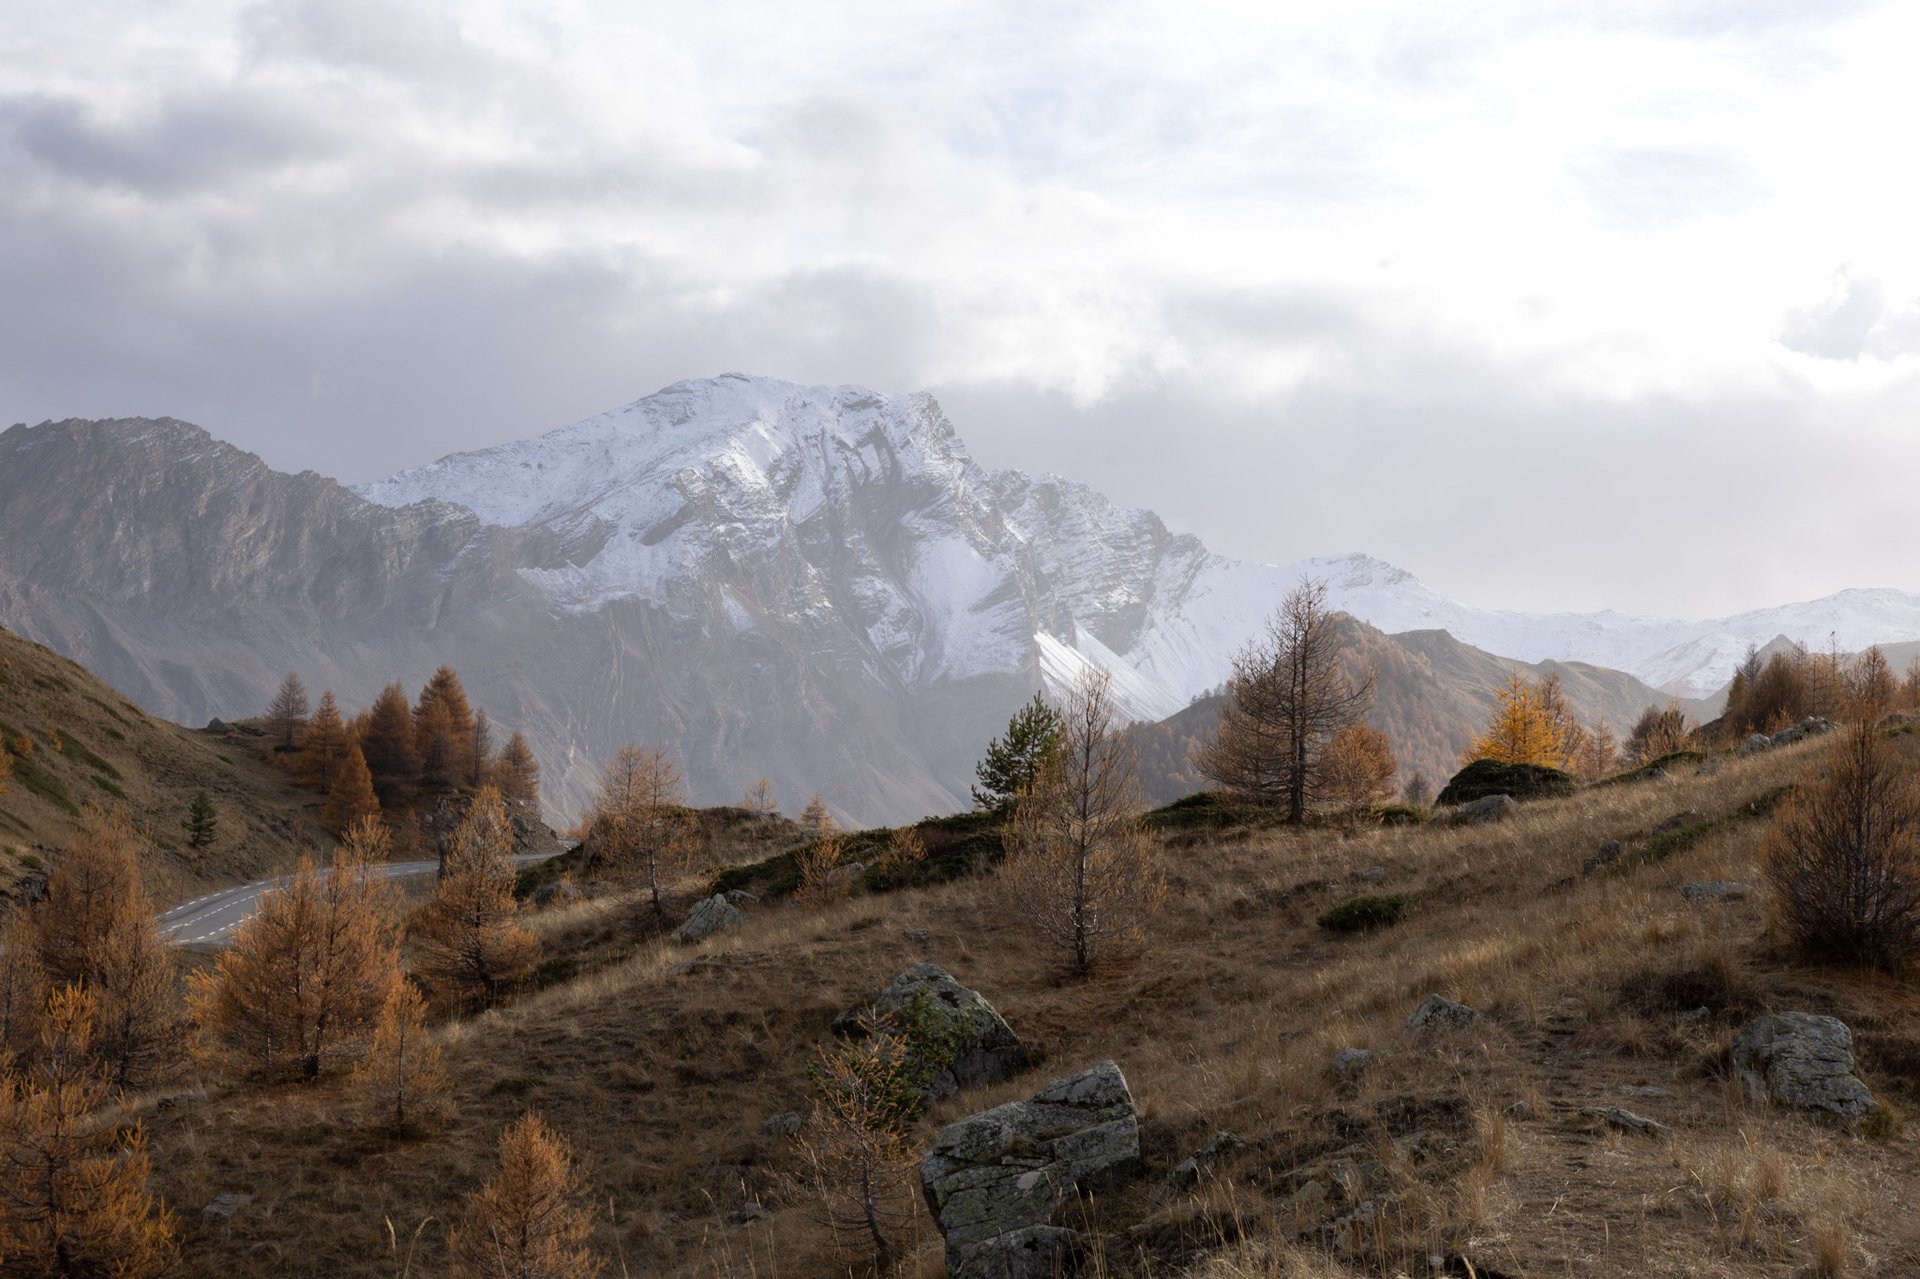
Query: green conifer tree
{"type": "Point", "coordinates": [1014, 761]}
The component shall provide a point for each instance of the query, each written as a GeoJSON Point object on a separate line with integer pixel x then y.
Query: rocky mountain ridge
{"type": "Point", "coordinates": [815, 584]}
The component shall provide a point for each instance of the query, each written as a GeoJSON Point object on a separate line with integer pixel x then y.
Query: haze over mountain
{"type": "Point", "coordinates": [816, 584]}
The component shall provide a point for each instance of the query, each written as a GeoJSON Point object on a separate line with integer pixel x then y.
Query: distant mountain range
{"type": "Point", "coordinates": [815, 584]}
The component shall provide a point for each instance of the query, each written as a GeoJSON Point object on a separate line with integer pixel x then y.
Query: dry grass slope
{"type": "Point", "coordinates": [85, 744]}
{"type": "Point", "coordinates": [662, 1064]}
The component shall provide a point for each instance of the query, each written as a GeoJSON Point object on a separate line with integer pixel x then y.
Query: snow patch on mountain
{"type": "Point", "coordinates": [752, 498]}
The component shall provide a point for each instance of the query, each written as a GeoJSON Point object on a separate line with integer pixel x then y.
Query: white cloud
{"type": "Point", "coordinates": [1276, 227]}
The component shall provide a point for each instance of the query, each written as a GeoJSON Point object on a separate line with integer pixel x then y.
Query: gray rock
{"type": "Point", "coordinates": [1715, 890]}
{"type": "Point", "coordinates": [843, 875]}
{"type": "Point", "coordinates": [1605, 855]}
{"type": "Point", "coordinates": [1709, 767]}
{"type": "Point", "coordinates": [741, 896]}
{"type": "Point", "coordinates": [994, 1180]}
{"type": "Point", "coordinates": [1371, 874]}
{"type": "Point", "coordinates": [919, 936]}
{"type": "Point", "coordinates": [1755, 743]}
{"type": "Point", "coordinates": [223, 1209]}
{"type": "Point", "coordinates": [1643, 1090]}
{"type": "Point", "coordinates": [1437, 1011]}
{"type": "Point", "coordinates": [1626, 1121]}
{"type": "Point", "coordinates": [985, 1049]}
{"type": "Point", "coordinates": [1349, 1062]}
{"type": "Point", "coordinates": [1676, 821]}
{"type": "Point", "coordinates": [1520, 1110]}
{"type": "Point", "coordinates": [1812, 726]}
{"type": "Point", "coordinates": [784, 1124]}
{"type": "Point", "coordinates": [1803, 1060]}
{"type": "Point", "coordinates": [712, 915]}
{"type": "Point", "coordinates": [556, 893]}
{"type": "Point", "coordinates": [747, 1213]}
{"type": "Point", "coordinates": [1488, 808]}
{"type": "Point", "coordinates": [1219, 1148]}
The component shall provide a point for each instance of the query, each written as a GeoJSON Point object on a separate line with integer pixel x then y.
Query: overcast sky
{"type": "Point", "coordinates": [1619, 307]}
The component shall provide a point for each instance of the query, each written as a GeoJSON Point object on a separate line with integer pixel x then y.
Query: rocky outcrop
{"type": "Point", "coordinates": [984, 1049]}
{"type": "Point", "coordinates": [1803, 1060]}
{"type": "Point", "coordinates": [712, 915]}
{"type": "Point", "coordinates": [1437, 1012]}
{"type": "Point", "coordinates": [995, 1180]}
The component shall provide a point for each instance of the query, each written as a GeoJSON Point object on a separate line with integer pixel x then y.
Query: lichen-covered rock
{"type": "Point", "coordinates": [784, 1124]}
{"type": "Point", "coordinates": [1715, 890]}
{"type": "Point", "coordinates": [984, 1048]}
{"type": "Point", "coordinates": [713, 915]}
{"type": "Point", "coordinates": [1755, 743]}
{"type": "Point", "coordinates": [1439, 1012]}
{"type": "Point", "coordinates": [1803, 1060]}
{"type": "Point", "coordinates": [1219, 1148]}
{"type": "Point", "coordinates": [994, 1180]}
{"type": "Point", "coordinates": [1812, 726]}
{"type": "Point", "coordinates": [1349, 1063]}
{"type": "Point", "coordinates": [1490, 808]}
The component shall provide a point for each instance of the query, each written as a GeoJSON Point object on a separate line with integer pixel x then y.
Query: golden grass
{"type": "Point", "coordinates": [662, 1062]}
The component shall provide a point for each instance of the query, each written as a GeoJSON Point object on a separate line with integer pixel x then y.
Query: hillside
{"type": "Point", "coordinates": [87, 744]}
{"type": "Point", "coordinates": [1486, 1147]}
{"type": "Point", "coordinates": [1432, 696]}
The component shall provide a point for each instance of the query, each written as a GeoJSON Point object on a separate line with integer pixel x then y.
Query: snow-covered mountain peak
{"type": "Point", "coordinates": [754, 499]}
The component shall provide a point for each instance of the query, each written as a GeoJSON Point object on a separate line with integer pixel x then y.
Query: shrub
{"type": "Point", "coordinates": [1484, 777]}
{"type": "Point", "coordinates": [1844, 860]}
{"type": "Point", "coordinates": [1364, 913]}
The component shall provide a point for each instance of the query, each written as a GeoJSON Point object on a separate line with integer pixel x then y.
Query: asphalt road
{"type": "Point", "coordinates": [210, 920]}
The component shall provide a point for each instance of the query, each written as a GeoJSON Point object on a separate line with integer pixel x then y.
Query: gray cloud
{"type": "Point", "coordinates": [1346, 284]}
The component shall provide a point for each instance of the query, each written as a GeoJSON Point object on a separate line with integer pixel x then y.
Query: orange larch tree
{"type": "Point", "coordinates": [528, 1221]}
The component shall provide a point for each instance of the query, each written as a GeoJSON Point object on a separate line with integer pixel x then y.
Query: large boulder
{"type": "Point", "coordinates": [1488, 808]}
{"type": "Point", "coordinates": [711, 915]}
{"type": "Point", "coordinates": [1484, 777]}
{"type": "Point", "coordinates": [994, 1180]}
{"type": "Point", "coordinates": [984, 1048]}
{"type": "Point", "coordinates": [1803, 1060]}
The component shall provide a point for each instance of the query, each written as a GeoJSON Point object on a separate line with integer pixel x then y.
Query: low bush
{"type": "Point", "coordinates": [1364, 913]}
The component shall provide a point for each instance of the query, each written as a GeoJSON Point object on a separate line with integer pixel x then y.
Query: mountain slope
{"type": "Point", "coordinates": [75, 741]}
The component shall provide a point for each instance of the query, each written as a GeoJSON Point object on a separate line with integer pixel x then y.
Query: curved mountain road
{"type": "Point", "coordinates": [211, 919]}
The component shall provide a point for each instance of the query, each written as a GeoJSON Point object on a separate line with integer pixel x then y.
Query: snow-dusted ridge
{"type": "Point", "coordinates": [753, 498]}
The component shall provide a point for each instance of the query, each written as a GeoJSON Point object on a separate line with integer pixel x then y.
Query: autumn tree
{"type": "Point", "coordinates": [1015, 759]}
{"type": "Point", "coordinates": [905, 850]}
{"type": "Point", "coordinates": [350, 798]}
{"type": "Point", "coordinates": [324, 747]}
{"type": "Point", "coordinates": [760, 799]}
{"type": "Point", "coordinates": [287, 713]}
{"type": "Point", "coordinates": [816, 819]}
{"type": "Point", "coordinates": [1286, 697]}
{"type": "Point", "coordinates": [518, 773]}
{"type": "Point", "coordinates": [202, 820]}
{"type": "Point", "coordinates": [307, 976]}
{"type": "Point", "coordinates": [818, 863]}
{"type": "Point", "coordinates": [388, 745]}
{"type": "Point", "coordinates": [402, 1085]}
{"type": "Point", "coordinates": [1871, 689]}
{"type": "Point", "coordinates": [443, 730]}
{"type": "Point", "coordinates": [642, 830]}
{"type": "Point", "coordinates": [1521, 731]}
{"type": "Point", "coordinates": [1844, 856]}
{"type": "Point", "coordinates": [468, 940]}
{"type": "Point", "coordinates": [1909, 688]}
{"type": "Point", "coordinates": [1598, 755]}
{"type": "Point", "coordinates": [1659, 732]}
{"type": "Point", "coordinates": [858, 1143]}
{"type": "Point", "coordinates": [1418, 791]}
{"type": "Point", "coordinates": [95, 929]}
{"type": "Point", "coordinates": [1358, 766]}
{"type": "Point", "coordinates": [530, 1220]}
{"type": "Point", "coordinates": [73, 1185]}
{"type": "Point", "coordinates": [1081, 870]}
{"type": "Point", "coordinates": [23, 987]}
{"type": "Point", "coordinates": [480, 751]}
